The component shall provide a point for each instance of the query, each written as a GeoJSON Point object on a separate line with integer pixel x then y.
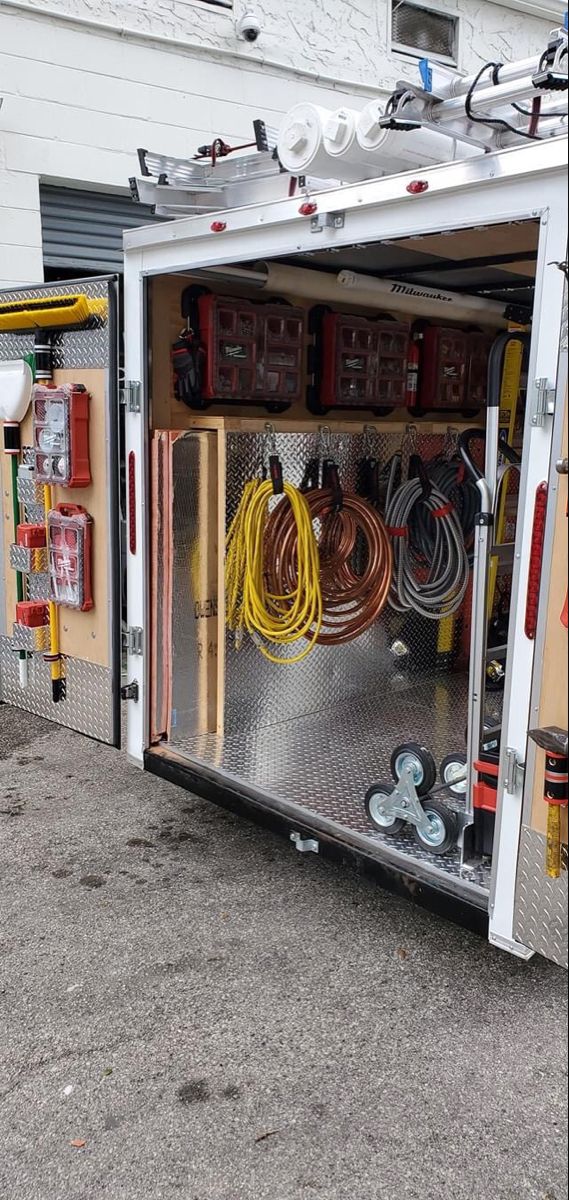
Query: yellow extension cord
{"type": "Point", "coordinates": [269, 618]}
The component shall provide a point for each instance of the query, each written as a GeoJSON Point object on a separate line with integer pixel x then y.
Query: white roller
{"type": "Point", "coordinates": [387, 295]}
{"type": "Point", "coordinates": [341, 144]}
{"type": "Point", "coordinates": [396, 150]}
{"type": "Point", "coordinates": [301, 141]}
{"type": "Point", "coordinates": [422, 301]}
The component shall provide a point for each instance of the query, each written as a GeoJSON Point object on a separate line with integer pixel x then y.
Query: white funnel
{"type": "Point", "coordinates": [16, 381]}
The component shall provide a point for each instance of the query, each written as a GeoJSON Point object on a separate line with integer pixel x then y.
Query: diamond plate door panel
{"type": "Point", "coordinates": [92, 703]}
{"type": "Point", "coordinates": [541, 903]}
{"type": "Point", "coordinates": [86, 708]}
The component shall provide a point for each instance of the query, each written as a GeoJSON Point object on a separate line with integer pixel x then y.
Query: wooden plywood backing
{"type": "Point", "coordinates": [486, 241]}
{"type": "Point", "coordinates": [84, 635]}
{"type": "Point", "coordinates": [166, 412]}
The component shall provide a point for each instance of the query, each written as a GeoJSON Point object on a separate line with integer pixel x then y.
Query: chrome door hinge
{"type": "Point", "coordinates": [514, 773]}
{"type": "Point", "coordinates": [130, 395]}
{"type": "Point", "coordinates": [133, 640]}
{"type": "Point", "coordinates": [544, 402]}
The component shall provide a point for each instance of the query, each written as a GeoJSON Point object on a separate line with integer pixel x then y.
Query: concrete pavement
{"type": "Point", "coordinates": [212, 1016]}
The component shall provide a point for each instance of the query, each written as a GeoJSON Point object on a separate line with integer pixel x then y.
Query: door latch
{"type": "Point", "coordinates": [514, 774]}
{"type": "Point", "coordinates": [130, 691]}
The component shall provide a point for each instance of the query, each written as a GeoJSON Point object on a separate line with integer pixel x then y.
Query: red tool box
{"type": "Point", "coordinates": [358, 362]}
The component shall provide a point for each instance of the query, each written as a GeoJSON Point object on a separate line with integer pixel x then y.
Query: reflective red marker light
{"type": "Point", "coordinates": [132, 502]}
{"type": "Point", "coordinates": [417, 186]}
{"type": "Point", "coordinates": [218, 226]}
{"type": "Point", "coordinates": [535, 560]}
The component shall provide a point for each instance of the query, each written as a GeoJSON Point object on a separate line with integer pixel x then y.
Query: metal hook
{"type": "Point", "coordinates": [410, 438]}
{"type": "Point", "coordinates": [451, 442]}
{"type": "Point", "coordinates": [370, 431]}
{"type": "Point", "coordinates": [271, 437]}
{"type": "Point", "coordinates": [325, 440]}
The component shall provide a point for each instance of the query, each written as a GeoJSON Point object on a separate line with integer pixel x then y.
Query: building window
{"type": "Point", "coordinates": [423, 31]}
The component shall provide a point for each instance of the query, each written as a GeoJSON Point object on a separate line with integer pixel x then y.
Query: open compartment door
{"type": "Point", "coordinates": [60, 591]}
{"type": "Point", "coordinates": [541, 901]}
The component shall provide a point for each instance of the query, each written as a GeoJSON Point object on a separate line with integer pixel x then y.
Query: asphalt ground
{"type": "Point", "coordinates": [189, 1008]}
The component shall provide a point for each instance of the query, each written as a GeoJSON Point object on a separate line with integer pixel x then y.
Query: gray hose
{"type": "Point", "coordinates": [441, 593]}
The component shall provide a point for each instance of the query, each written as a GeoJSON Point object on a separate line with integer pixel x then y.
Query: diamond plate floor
{"type": "Point", "coordinates": [326, 762]}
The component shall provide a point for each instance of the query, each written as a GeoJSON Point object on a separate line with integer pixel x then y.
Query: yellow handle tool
{"type": "Point", "coordinates": [553, 842]}
{"type": "Point", "coordinates": [54, 658]}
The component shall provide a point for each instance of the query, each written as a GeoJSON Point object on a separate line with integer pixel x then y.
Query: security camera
{"type": "Point", "coordinates": [249, 27]}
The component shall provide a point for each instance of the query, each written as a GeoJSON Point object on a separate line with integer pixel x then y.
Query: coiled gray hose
{"type": "Point", "coordinates": [432, 584]}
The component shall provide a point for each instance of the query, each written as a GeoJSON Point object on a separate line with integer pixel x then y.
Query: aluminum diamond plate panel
{"type": "Point", "coordinates": [91, 703]}
{"type": "Point", "coordinates": [82, 348]}
{"type": "Point", "coordinates": [330, 674]}
{"type": "Point", "coordinates": [86, 708]}
{"type": "Point", "coordinates": [326, 762]}
{"type": "Point", "coordinates": [541, 903]}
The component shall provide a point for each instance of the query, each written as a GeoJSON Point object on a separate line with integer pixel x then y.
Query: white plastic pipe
{"type": "Point", "coordinates": [398, 150]}
{"type": "Point", "coordinates": [301, 141]}
{"type": "Point", "coordinates": [341, 144]}
{"type": "Point", "coordinates": [421, 300]}
{"type": "Point", "coordinates": [388, 295]}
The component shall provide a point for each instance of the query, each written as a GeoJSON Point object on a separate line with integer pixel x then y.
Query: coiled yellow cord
{"type": "Point", "coordinates": [279, 620]}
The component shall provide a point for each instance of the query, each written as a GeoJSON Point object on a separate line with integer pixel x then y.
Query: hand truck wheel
{"type": "Point", "coordinates": [443, 828]}
{"type": "Point", "coordinates": [411, 754]}
{"type": "Point", "coordinates": [452, 768]}
{"type": "Point", "coordinates": [376, 810]}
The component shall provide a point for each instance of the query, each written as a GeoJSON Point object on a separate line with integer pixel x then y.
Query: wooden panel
{"type": "Point", "coordinates": [82, 634]}
{"type": "Point", "coordinates": [554, 682]}
{"type": "Point", "coordinates": [169, 413]}
{"type": "Point", "coordinates": [486, 241]}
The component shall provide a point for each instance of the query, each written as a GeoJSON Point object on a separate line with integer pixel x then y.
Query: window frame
{"type": "Point", "coordinates": [416, 54]}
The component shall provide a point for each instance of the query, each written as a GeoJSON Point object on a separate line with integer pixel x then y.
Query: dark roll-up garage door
{"type": "Point", "coordinates": [82, 231]}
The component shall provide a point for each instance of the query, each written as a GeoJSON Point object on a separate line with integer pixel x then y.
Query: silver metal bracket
{"type": "Point", "coordinates": [545, 402]}
{"type": "Point", "coordinates": [134, 640]}
{"type": "Point", "coordinates": [562, 466]}
{"type": "Point", "coordinates": [305, 845]}
{"type": "Point", "coordinates": [130, 395]}
{"type": "Point", "coordinates": [514, 772]}
{"type": "Point", "coordinates": [327, 221]}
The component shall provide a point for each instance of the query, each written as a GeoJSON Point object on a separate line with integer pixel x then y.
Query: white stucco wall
{"type": "Point", "coordinates": [85, 82]}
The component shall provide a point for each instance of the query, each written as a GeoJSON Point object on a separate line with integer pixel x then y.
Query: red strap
{"type": "Point", "coordinates": [444, 511]}
{"type": "Point", "coordinates": [398, 530]}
